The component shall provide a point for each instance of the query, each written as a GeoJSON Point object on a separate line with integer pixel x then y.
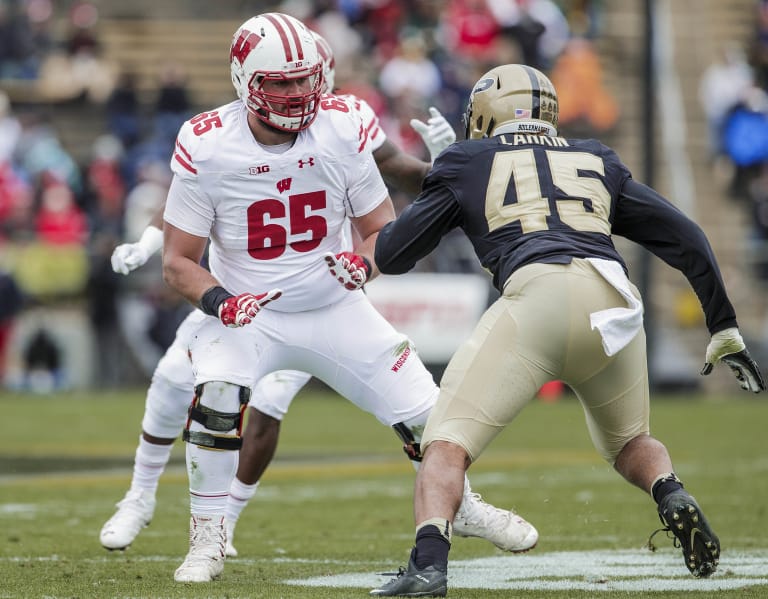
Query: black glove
{"type": "Point", "coordinates": [728, 346]}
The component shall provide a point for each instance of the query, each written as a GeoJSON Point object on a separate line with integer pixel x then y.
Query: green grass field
{"type": "Point", "coordinates": [335, 508]}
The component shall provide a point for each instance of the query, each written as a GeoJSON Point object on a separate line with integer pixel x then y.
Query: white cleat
{"type": "Point", "coordinates": [205, 560]}
{"type": "Point", "coordinates": [503, 528]}
{"type": "Point", "coordinates": [230, 550]}
{"type": "Point", "coordinates": [134, 512]}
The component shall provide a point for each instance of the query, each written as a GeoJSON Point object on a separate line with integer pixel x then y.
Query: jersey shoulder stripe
{"type": "Point", "coordinates": [198, 137]}
{"type": "Point", "coordinates": [343, 121]}
{"type": "Point", "coordinates": [370, 121]}
{"type": "Point", "coordinates": [182, 156]}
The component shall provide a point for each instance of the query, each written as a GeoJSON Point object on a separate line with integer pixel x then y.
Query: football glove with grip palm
{"type": "Point", "coordinates": [238, 310]}
{"type": "Point", "coordinates": [128, 257]}
{"type": "Point", "coordinates": [235, 310]}
{"type": "Point", "coordinates": [437, 132]}
{"type": "Point", "coordinates": [728, 346]}
{"type": "Point", "coordinates": [350, 269]}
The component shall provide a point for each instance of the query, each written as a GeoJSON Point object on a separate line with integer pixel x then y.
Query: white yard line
{"type": "Point", "coordinates": [632, 571]}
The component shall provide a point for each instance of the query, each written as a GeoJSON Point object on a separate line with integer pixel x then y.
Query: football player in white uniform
{"type": "Point", "coordinates": [171, 388]}
{"type": "Point", "coordinates": [172, 384]}
{"type": "Point", "coordinates": [261, 432]}
{"type": "Point", "coordinates": [272, 194]}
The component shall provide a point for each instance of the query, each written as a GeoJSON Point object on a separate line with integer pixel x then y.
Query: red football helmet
{"type": "Point", "coordinates": [276, 47]}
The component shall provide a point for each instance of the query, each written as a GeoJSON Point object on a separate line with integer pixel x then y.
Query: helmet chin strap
{"type": "Point", "coordinates": [529, 127]}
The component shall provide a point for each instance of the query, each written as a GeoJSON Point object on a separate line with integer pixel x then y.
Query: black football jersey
{"type": "Point", "coordinates": [524, 198]}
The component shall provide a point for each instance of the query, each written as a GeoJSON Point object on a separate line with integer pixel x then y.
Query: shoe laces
{"type": "Point", "coordinates": [206, 539]}
{"type": "Point", "coordinates": [670, 535]}
{"type": "Point", "coordinates": [401, 571]}
{"type": "Point", "coordinates": [477, 511]}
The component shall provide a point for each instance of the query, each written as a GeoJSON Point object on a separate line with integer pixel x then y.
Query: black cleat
{"type": "Point", "coordinates": [429, 582]}
{"type": "Point", "coordinates": [683, 518]}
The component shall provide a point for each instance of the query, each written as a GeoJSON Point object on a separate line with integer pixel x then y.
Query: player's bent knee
{"type": "Point", "coordinates": [215, 418]}
{"type": "Point", "coordinates": [166, 407]}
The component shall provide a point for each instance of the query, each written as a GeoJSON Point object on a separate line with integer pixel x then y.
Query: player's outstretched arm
{"type": "Point", "coordinates": [437, 132]}
{"type": "Point", "coordinates": [407, 172]}
{"type": "Point", "coordinates": [402, 170]}
{"type": "Point", "coordinates": [127, 257]}
{"type": "Point", "coordinates": [728, 346]}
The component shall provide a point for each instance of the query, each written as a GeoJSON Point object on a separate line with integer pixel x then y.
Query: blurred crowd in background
{"type": "Point", "coordinates": [63, 212]}
{"type": "Point", "coordinates": [734, 96]}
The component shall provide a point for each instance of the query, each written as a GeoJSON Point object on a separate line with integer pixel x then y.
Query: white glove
{"type": "Point", "coordinates": [728, 346]}
{"type": "Point", "coordinates": [437, 132]}
{"type": "Point", "coordinates": [129, 256]}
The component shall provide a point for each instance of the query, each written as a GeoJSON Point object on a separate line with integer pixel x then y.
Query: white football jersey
{"type": "Point", "coordinates": [376, 135]}
{"type": "Point", "coordinates": [271, 216]}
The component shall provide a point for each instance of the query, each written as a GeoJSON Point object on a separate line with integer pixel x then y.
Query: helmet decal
{"type": "Point", "coordinates": [483, 84]}
{"type": "Point", "coordinates": [242, 46]}
{"type": "Point", "coordinates": [288, 34]}
{"type": "Point", "coordinates": [535, 92]}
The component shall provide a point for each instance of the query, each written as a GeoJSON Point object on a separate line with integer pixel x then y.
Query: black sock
{"type": "Point", "coordinates": [431, 549]}
{"type": "Point", "coordinates": [664, 486]}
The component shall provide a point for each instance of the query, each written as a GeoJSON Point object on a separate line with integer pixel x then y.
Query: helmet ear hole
{"type": "Point", "coordinates": [237, 75]}
{"type": "Point", "coordinates": [489, 129]}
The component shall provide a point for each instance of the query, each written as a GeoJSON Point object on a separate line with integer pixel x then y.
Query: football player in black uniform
{"type": "Point", "coordinates": [540, 211]}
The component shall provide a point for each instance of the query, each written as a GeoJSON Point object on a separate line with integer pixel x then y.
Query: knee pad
{"type": "Point", "coordinates": [215, 418]}
{"type": "Point", "coordinates": [410, 433]}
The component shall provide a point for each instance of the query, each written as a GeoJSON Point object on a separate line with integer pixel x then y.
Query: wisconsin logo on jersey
{"type": "Point", "coordinates": [402, 351]}
{"type": "Point", "coordinates": [284, 185]}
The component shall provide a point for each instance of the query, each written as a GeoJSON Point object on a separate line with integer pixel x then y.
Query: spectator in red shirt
{"type": "Point", "coordinates": [59, 220]}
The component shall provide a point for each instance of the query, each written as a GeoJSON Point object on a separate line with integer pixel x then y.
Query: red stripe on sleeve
{"type": "Point", "coordinates": [187, 155]}
{"type": "Point", "coordinates": [184, 163]}
{"type": "Point", "coordinates": [362, 135]}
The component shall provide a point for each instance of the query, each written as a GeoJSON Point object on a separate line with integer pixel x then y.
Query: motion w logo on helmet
{"type": "Point", "coordinates": [243, 45]}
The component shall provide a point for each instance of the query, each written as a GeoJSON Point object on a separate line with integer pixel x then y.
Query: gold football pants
{"type": "Point", "coordinates": [539, 331]}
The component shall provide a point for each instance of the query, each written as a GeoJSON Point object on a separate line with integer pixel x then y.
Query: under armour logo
{"type": "Point", "coordinates": [310, 162]}
{"type": "Point", "coordinates": [283, 185]}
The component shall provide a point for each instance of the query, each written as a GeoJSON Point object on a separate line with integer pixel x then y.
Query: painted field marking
{"type": "Point", "coordinates": [627, 571]}
{"type": "Point", "coordinates": [633, 571]}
